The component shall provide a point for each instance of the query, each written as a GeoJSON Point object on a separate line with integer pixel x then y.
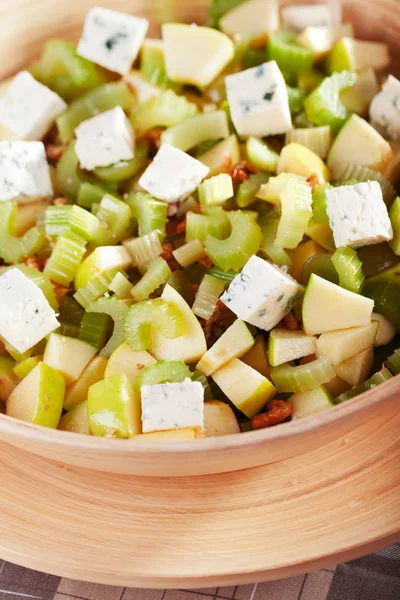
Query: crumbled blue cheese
{"type": "Point", "coordinates": [24, 171]}
{"type": "Point", "coordinates": [298, 17]}
{"type": "Point", "coordinates": [172, 406]}
{"type": "Point", "coordinates": [358, 215]}
{"type": "Point", "coordinates": [112, 39]}
{"type": "Point", "coordinates": [142, 90]}
{"type": "Point", "coordinates": [104, 140]}
{"type": "Point", "coordinates": [262, 294]}
{"type": "Point", "coordinates": [173, 175]}
{"type": "Point", "coordinates": [258, 101]}
{"type": "Point", "coordinates": [385, 109]}
{"type": "Point", "coordinates": [28, 109]}
{"type": "Point", "coordinates": [25, 315]}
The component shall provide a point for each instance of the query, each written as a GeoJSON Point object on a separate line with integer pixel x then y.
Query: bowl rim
{"type": "Point", "coordinates": [44, 436]}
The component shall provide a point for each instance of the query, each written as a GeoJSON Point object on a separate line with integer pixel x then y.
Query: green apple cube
{"type": "Point", "coordinates": [114, 408]}
{"type": "Point", "coordinates": [23, 368]}
{"type": "Point", "coordinates": [256, 357]}
{"type": "Point", "coordinates": [127, 361]}
{"type": "Point", "coordinates": [39, 397]}
{"type": "Point", "coordinates": [69, 356]}
{"type": "Point", "coordinates": [305, 404]}
{"type": "Point", "coordinates": [355, 370]}
{"type": "Point", "coordinates": [328, 307]}
{"type": "Point", "coordinates": [219, 419]}
{"type": "Point", "coordinates": [336, 386]}
{"type": "Point", "coordinates": [76, 420]}
{"type": "Point", "coordinates": [285, 345]}
{"type": "Point", "coordinates": [77, 392]}
{"type": "Point", "coordinates": [234, 343]}
{"type": "Point", "coordinates": [245, 387]}
{"type": "Point", "coordinates": [8, 378]}
{"type": "Point", "coordinates": [386, 331]}
{"type": "Point", "coordinates": [338, 346]}
{"type": "Point", "coordinates": [102, 259]}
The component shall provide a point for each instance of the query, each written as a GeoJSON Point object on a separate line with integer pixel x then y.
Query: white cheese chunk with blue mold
{"type": "Point", "coordinates": [172, 406]}
{"type": "Point", "coordinates": [262, 294]}
{"type": "Point", "coordinates": [25, 315]}
{"type": "Point", "coordinates": [28, 109]}
{"type": "Point", "coordinates": [258, 101]}
{"type": "Point", "coordinates": [112, 39]}
{"type": "Point", "coordinates": [173, 175]}
{"type": "Point", "coordinates": [385, 109]}
{"type": "Point", "coordinates": [104, 140]}
{"type": "Point", "coordinates": [300, 16]}
{"type": "Point", "coordinates": [358, 215]}
{"type": "Point", "coordinates": [24, 172]}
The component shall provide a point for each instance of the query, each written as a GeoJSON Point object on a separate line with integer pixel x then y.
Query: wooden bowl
{"type": "Point", "coordinates": [113, 511]}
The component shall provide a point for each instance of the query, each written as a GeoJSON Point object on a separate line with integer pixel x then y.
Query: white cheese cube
{"type": "Point", "coordinates": [104, 140]}
{"type": "Point", "coordinates": [262, 294]}
{"type": "Point", "coordinates": [28, 108]}
{"type": "Point", "coordinates": [385, 109]}
{"type": "Point", "coordinates": [142, 90]}
{"type": "Point", "coordinates": [173, 175]}
{"type": "Point", "coordinates": [24, 171]}
{"type": "Point", "coordinates": [112, 39]}
{"type": "Point", "coordinates": [172, 406]}
{"type": "Point", "coordinates": [358, 215]}
{"type": "Point", "coordinates": [258, 101]}
{"type": "Point", "coordinates": [299, 17]}
{"type": "Point", "coordinates": [25, 315]}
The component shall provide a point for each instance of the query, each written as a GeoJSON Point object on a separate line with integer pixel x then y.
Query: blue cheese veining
{"type": "Point", "coordinates": [24, 172]}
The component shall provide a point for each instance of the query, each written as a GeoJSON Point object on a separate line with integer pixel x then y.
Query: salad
{"type": "Point", "coordinates": [199, 234]}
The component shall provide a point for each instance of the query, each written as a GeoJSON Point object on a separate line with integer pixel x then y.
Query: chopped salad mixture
{"type": "Point", "coordinates": [199, 234]}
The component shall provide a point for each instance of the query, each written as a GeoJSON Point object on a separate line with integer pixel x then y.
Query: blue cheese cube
{"type": "Point", "coordinates": [172, 406]}
{"type": "Point", "coordinates": [385, 109]}
{"type": "Point", "coordinates": [258, 101]}
{"type": "Point", "coordinates": [25, 315]}
{"type": "Point", "coordinates": [298, 17]}
{"type": "Point", "coordinates": [173, 175]}
{"type": "Point", "coordinates": [262, 294]}
{"type": "Point", "coordinates": [24, 172]}
{"type": "Point", "coordinates": [28, 109]}
{"type": "Point", "coordinates": [112, 39]}
{"type": "Point", "coordinates": [104, 140]}
{"type": "Point", "coordinates": [358, 215]}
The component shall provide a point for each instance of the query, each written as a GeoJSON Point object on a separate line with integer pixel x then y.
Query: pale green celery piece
{"type": "Point", "coordinates": [95, 288]}
{"type": "Point", "coordinates": [200, 128]}
{"type": "Point", "coordinates": [94, 329]}
{"type": "Point", "coordinates": [386, 296]}
{"type": "Point", "coordinates": [101, 99]}
{"type": "Point", "coordinates": [15, 249]}
{"type": "Point", "coordinates": [152, 64]}
{"type": "Point", "coordinates": [144, 248]}
{"type": "Point", "coordinates": [114, 216]}
{"type": "Point", "coordinates": [376, 379]}
{"type": "Point", "coordinates": [200, 226]}
{"type": "Point", "coordinates": [303, 377]}
{"type": "Point", "coordinates": [68, 174]}
{"type": "Point", "coordinates": [324, 107]}
{"type": "Point", "coordinates": [393, 362]}
{"type": "Point", "coordinates": [157, 274]}
{"type": "Point", "coordinates": [321, 265]}
{"type": "Point", "coordinates": [216, 190]}
{"type": "Point", "coordinates": [302, 122]}
{"type": "Point", "coordinates": [171, 371]}
{"type": "Point", "coordinates": [289, 56]}
{"type": "Point", "coordinates": [349, 268]}
{"type": "Point", "coordinates": [252, 57]}
{"type": "Point", "coordinates": [125, 169]}
{"type": "Point", "coordinates": [165, 110]}
{"type": "Point", "coordinates": [42, 281]}
{"type": "Point", "coordinates": [345, 172]}
{"type": "Point", "coordinates": [90, 193]}
{"type": "Point", "coordinates": [83, 223]}
{"type": "Point", "coordinates": [189, 253]}
{"type": "Point", "coordinates": [260, 155]}
{"type": "Point", "coordinates": [248, 189]}
{"type": "Point", "coordinates": [207, 296]}
{"type": "Point", "coordinates": [296, 98]}
{"type": "Point", "coordinates": [226, 276]}
{"type": "Point", "coordinates": [121, 286]}
{"type": "Point", "coordinates": [394, 215]}
{"type": "Point", "coordinates": [243, 242]}
{"type": "Point", "coordinates": [66, 257]}
{"type": "Point", "coordinates": [117, 310]}
{"type": "Point", "coordinates": [60, 57]}
{"type": "Point", "coordinates": [144, 316]}
{"type": "Point", "coordinates": [319, 203]}
{"type": "Point", "coordinates": [56, 220]}
{"type": "Point", "coordinates": [151, 214]}
{"type": "Point", "coordinates": [269, 246]}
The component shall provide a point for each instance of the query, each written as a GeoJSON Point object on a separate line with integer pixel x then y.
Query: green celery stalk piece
{"type": "Point", "coordinates": [324, 107]}
{"type": "Point", "coordinates": [16, 249]}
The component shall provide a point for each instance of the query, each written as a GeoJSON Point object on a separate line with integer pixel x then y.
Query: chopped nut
{"type": "Point", "coordinates": [278, 411]}
{"type": "Point", "coordinates": [60, 201]}
{"type": "Point", "coordinates": [314, 180]}
{"type": "Point", "coordinates": [55, 151]}
{"type": "Point", "coordinates": [33, 261]}
{"type": "Point", "coordinates": [241, 172]}
{"type": "Point", "coordinates": [290, 322]}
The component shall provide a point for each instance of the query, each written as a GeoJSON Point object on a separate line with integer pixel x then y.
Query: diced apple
{"type": "Point", "coordinates": [68, 356]}
{"type": "Point", "coordinates": [321, 234]}
{"type": "Point", "coordinates": [23, 368]}
{"type": "Point", "coordinates": [301, 254]}
{"type": "Point", "coordinates": [300, 160]}
{"type": "Point", "coordinates": [247, 389]}
{"type": "Point", "coordinates": [8, 379]}
{"type": "Point", "coordinates": [76, 420]}
{"type": "Point", "coordinates": [285, 345]}
{"type": "Point", "coordinates": [386, 331]}
{"type": "Point", "coordinates": [321, 39]}
{"type": "Point", "coordinates": [114, 408]}
{"type": "Point", "coordinates": [102, 259]}
{"type": "Point", "coordinates": [142, 89]}
{"type": "Point", "coordinates": [336, 386]}
{"type": "Point", "coordinates": [172, 435]}
{"type": "Point", "coordinates": [349, 54]}
{"type": "Point", "coordinates": [234, 343]}
{"type": "Point", "coordinates": [219, 419]}
{"type": "Point", "coordinates": [222, 157]}
{"type": "Point", "coordinates": [27, 215]}
{"type": "Point", "coordinates": [328, 307]}
{"type": "Point", "coordinates": [338, 346]}
{"type": "Point", "coordinates": [77, 392]}
{"type": "Point", "coordinates": [125, 360]}
{"type": "Point", "coordinates": [256, 357]}
{"type": "Point", "coordinates": [253, 19]}
{"type": "Point", "coordinates": [356, 369]}
{"type": "Point", "coordinates": [358, 98]}
{"type": "Point", "coordinates": [39, 397]}
{"type": "Point", "coordinates": [305, 404]}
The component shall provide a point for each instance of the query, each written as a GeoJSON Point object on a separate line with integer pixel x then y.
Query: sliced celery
{"type": "Point", "coordinates": [393, 362]}
{"type": "Point", "coordinates": [114, 216]}
{"type": "Point", "coordinates": [216, 190]}
{"type": "Point", "coordinates": [152, 64]}
{"type": "Point", "coordinates": [349, 268]}
{"type": "Point", "coordinates": [157, 273]}
{"type": "Point", "coordinates": [318, 139]}
{"type": "Point", "coordinates": [321, 265]}
{"type": "Point", "coordinates": [56, 220]}
{"type": "Point", "coordinates": [344, 171]}
{"type": "Point", "coordinates": [15, 249]}
{"type": "Point", "coordinates": [117, 310]}
{"type": "Point", "coordinates": [121, 286]}
{"type": "Point", "coordinates": [144, 248]}
{"type": "Point", "coordinates": [394, 215]}
{"type": "Point", "coordinates": [261, 155]}
{"type": "Point", "coordinates": [248, 189]}
{"type": "Point", "coordinates": [226, 276]}
{"type": "Point", "coordinates": [151, 214]}
{"type": "Point", "coordinates": [197, 129]}
{"type": "Point", "coordinates": [94, 328]}
{"type": "Point", "coordinates": [171, 371]}
{"type": "Point", "coordinates": [71, 312]}
{"type": "Point", "coordinates": [66, 257]}
{"type": "Point", "coordinates": [290, 57]}
{"type": "Point", "coordinates": [165, 110]}
{"type": "Point", "coordinates": [83, 223]}
{"type": "Point", "coordinates": [324, 107]}
{"type": "Point", "coordinates": [319, 203]}
{"type": "Point", "coordinates": [144, 316]}
{"type": "Point", "coordinates": [68, 174]}
{"type": "Point", "coordinates": [243, 242]}
{"type": "Point", "coordinates": [386, 296]}
{"type": "Point", "coordinates": [215, 224]}
{"type": "Point", "coordinates": [296, 98]}
{"type": "Point", "coordinates": [42, 281]}
{"type": "Point", "coordinates": [380, 377]}
{"type": "Point", "coordinates": [90, 193]}
{"type": "Point", "coordinates": [303, 377]}
{"type": "Point", "coordinates": [269, 246]}
{"type": "Point", "coordinates": [207, 296]}
{"type": "Point", "coordinates": [92, 103]}
{"type": "Point", "coordinates": [125, 169]}
{"type": "Point", "coordinates": [95, 288]}
{"type": "Point", "coordinates": [189, 253]}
